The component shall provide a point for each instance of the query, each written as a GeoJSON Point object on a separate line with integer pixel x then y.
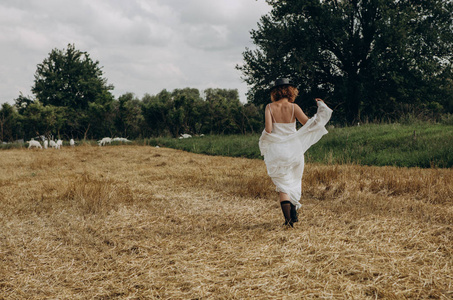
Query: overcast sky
{"type": "Point", "coordinates": [144, 46]}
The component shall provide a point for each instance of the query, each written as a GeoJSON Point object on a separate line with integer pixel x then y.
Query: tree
{"type": "Point", "coordinates": [128, 116]}
{"type": "Point", "coordinates": [364, 56]}
{"type": "Point", "coordinates": [222, 105]}
{"type": "Point", "coordinates": [22, 102]}
{"type": "Point", "coordinates": [191, 107]}
{"type": "Point", "coordinates": [174, 113]}
{"type": "Point", "coordinates": [155, 112]}
{"type": "Point", "coordinates": [8, 122]}
{"type": "Point", "coordinates": [185, 111]}
{"type": "Point", "coordinates": [72, 79]}
{"type": "Point", "coordinates": [38, 119]}
{"type": "Point", "coordinates": [248, 118]}
{"type": "Point", "coordinates": [69, 78]}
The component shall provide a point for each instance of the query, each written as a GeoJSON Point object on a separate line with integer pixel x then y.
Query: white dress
{"type": "Point", "coordinates": [284, 149]}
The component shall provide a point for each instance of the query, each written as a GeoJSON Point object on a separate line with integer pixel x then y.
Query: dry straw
{"type": "Point", "coordinates": [136, 222]}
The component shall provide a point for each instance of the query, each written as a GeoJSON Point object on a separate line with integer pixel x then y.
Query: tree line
{"type": "Point", "coordinates": [214, 111]}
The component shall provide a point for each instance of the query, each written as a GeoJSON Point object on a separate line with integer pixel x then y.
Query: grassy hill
{"type": "Point", "coordinates": [421, 145]}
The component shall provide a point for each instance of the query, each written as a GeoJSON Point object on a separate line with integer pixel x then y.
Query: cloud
{"type": "Point", "coordinates": [144, 46]}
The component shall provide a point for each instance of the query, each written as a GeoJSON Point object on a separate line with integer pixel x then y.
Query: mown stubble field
{"type": "Point", "coordinates": [137, 222]}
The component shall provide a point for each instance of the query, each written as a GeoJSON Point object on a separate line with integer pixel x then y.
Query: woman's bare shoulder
{"type": "Point", "coordinates": [297, 107]}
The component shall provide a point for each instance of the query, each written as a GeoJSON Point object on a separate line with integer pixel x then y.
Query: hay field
{"type": "Point", "coordinates": [136, 222]}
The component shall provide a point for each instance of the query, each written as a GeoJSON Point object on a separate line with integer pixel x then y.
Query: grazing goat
{"type": "Point", "coordinates": [105, 140]}
{"type": "Point", "coordinates": [119, 139]}
{"type": "Point", "coordinates": [52, 144]}
{"type": "Point", "coordinates": [33, 143]}
{"type": "Point", "coordinates": [46, 143]}
{"type": "Point", "coordinates": [185, 136]}
{"type": "Point", "coordinates": [59, 144]}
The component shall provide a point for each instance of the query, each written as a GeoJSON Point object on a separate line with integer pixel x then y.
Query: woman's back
{"type": "Point", "coordinates": [282, 112]}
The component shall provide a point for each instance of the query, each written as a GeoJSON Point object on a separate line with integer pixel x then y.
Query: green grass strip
{"type": "Point", "coordinates": [421, 145]}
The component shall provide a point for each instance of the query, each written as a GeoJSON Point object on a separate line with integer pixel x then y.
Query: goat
{"type": "Point", "coordinates": [59, 144]}
{"type": "Point", "coordinates": [119, 139]}
{"type": "Point", "coordinates": [185, 136]}
{"type": "Point", "coordinates": [33, 143]}
{"type": "Point", "coordinates": [71, 142]}
{"type": "Point", "coordinates": [105, 140]}
{"type": "Point", "coordinates": [46, 143]}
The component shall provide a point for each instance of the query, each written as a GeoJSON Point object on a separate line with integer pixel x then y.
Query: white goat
{"type": "Point", "coordinates": [104, 141]}
{"type": "Point", "coordinates": [119, 139]}
{"type": "Point", "coordinates": [52, 144]}
{"type": "Point", "coordinates": [59, 144]}
{"type": "Point", "coordinates": [71, 142]}
{"type": "Point", "coordinates": [46, 143]}
{"type": "Point", "coordinates": [185, 136]}
{"type": "Point", "coordinates": [33, 143]}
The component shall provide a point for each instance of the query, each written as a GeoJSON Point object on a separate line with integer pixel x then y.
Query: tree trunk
{"type": "Point", "coordinates": [86, 133]}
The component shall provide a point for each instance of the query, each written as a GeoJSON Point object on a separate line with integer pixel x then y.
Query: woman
{"type": "Point", "coordinates": [283, 146]}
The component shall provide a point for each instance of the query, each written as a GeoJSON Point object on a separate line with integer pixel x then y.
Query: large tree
{"type": "Point", "coordinates": [70, 78]}
{"type": "Point", "coordinates": [367, 57]}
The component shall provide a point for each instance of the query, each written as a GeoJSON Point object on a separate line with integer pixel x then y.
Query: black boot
{"type": "Point", "coordinates": [286, 209]}
{"type": "Point", "coordinates": [294, 217]}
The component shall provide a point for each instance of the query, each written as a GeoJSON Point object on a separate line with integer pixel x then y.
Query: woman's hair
{"type": "Point", "coordinates": [284, 91]}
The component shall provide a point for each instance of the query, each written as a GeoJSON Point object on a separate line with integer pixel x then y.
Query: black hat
{"type": "Point", "coordinates": [280, 82]}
